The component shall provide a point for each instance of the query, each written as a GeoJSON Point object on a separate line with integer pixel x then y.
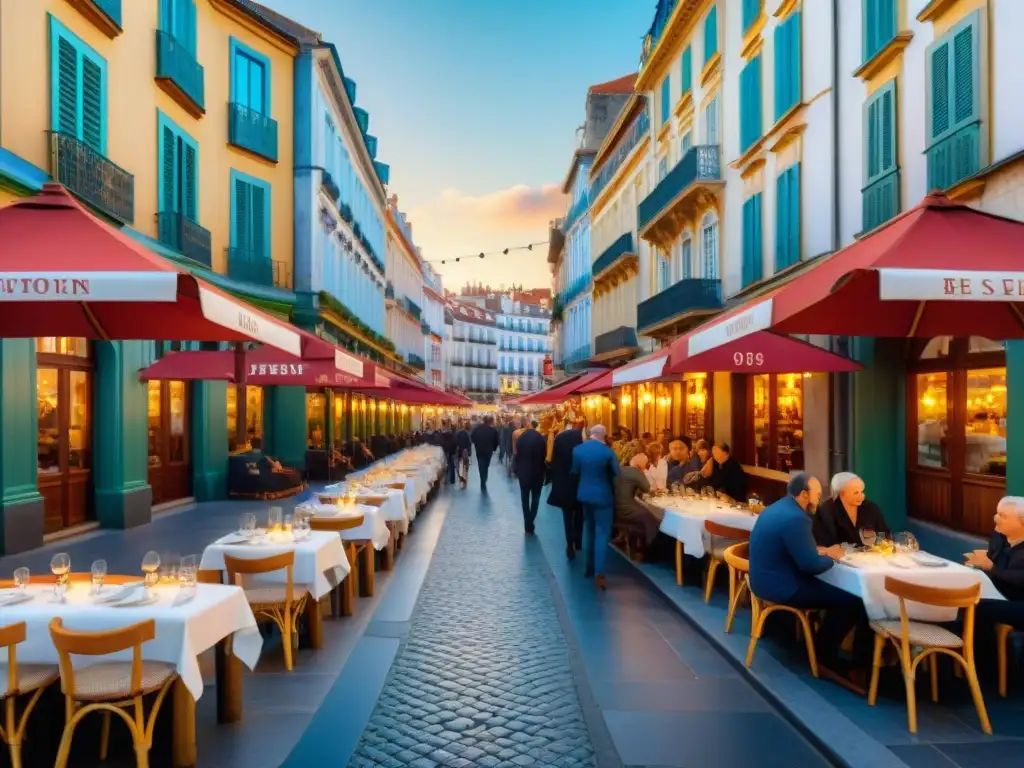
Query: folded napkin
{"type": "Point", "coordinates": [929, 561]}
{"type": "Point", "coordinates": [124, 593]}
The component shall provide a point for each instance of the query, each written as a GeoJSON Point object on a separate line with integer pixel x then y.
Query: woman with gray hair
{"type": "Point", "coordinates": [841, 519]}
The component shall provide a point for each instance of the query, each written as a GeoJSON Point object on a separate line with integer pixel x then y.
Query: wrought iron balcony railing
{"type": "Point", "coordinates": [96, 180]}
{"type": "Point", "coordinates": [684, 296]}
{"type": "Point", "coordinates": [699, 164]}
{"type": "Point", "coordinates": [176, 65]}
{"type": "Point", "coordinates": [253, 131]}
{"type": "Point", "coordinates": [621, 246]}
{"type": "Point", "coordinates": [251, 267]}
{"type": "Point", "coordinates": [182, 234]}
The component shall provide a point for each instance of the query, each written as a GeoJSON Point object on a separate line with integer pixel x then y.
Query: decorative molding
{"type": "Point", "coordinates": [785, 8]}
{"type": "Point", "coordinates": [935, 10]}
{"type": "Point", "coordinates": [752, 37]}
{"type": "Point", "coordinates": [98, 17]}
{"type": "Point", "coordinates": [889, 53]}
{"type": "Point", "coordinates": [787, 129]}
{"type": "Point", "coordinates": [685, 101]}
{"type": "Point", "coordinates": [664, 131]}
{"type": "Point", "coordinates": [711, 68]}
{"type": "Point", "coordinates": [262, 30]}
{"type": "Point", "coordinates": [753, 154]}
{"type": "Point", "coordinates": [753, 167]}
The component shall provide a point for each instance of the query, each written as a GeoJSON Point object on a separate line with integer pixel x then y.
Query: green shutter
{"type": "Point", "coordinates": [168, 171]}
{"type": "Point", "coordinates": [793, 233]}
{"type": "Point", "coordinates": [189, 12]}
{"type": "Point", "coordinates": [67, 88]}
{"type": "Point", "coordinates": [242, 224]}
{"type": "Point", "coordinates": [711, 34]}
{"type": "Point", "coordinates": [258, 214]}
{"type": "Point", "coordinates": [190, 192]}
{"type": "Point", "coordinates": [938, 66]}
{"type": "Point", "coordinates": [879, 25]}
{"type": "Point", "coordinates": [92, 104]}
{"type": "Point", "coordinates": [963, 77]}
{"type": "Point", "coordinates": [787, 65]}
{"type": "Point", "coordinates": [752, 240]}
{"type": "Point", "coordinates": [666, 93]}
{"type": "Point", "coordinates": [751, 10]}
{"type": "Point", "coordinates": [881, 177]}
{"type": "Point", "coordinates": [687, 73]}
{"type": "Point", "coordinates": [750, 103]}
{"type": "Point", "coordinates": [781, 221]}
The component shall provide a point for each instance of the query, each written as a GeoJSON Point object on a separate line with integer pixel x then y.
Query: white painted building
{"type": "Point", "coordinates": [472, 359]}
{"type": "Point", "coordinates": [434, 352]}
{"type": "Point", "coordinates": [406, 325]}
{"type": "Point", "coordinates": [523, 341]}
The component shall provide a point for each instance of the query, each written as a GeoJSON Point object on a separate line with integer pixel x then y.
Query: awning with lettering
{"type": "Point", "coordinates": [64, 272]}
{"type": "Point", "coordinates": [645, 368]}
{"type": "Point", "coordinates": [761, 352]}
{"type": "Point", "coordinates": [939, 269]}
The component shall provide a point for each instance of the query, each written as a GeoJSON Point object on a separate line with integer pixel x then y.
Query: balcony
{"type": "Point", "coordinates": [692, 185]}
{"type": "Point", "coordinates": [330, 187]}
{"type": "Point", "coordinates": [677, 307]}
{"type": "Point", "coordinates": [105, 15]}
{"type": "Point", "coordinates": [617, 264]}
{"type": "Point", "coordinates": [636, 132]}
{"type": "Point", "coordinates": [416, 361]}
{"type": "Point", "coordinates": [250, 267]}
{"type": "Point", "coordinates": [425, 327]}
{"type": "Point", "coordinates": [412, 307]}
{"type": "Point", "coordinates": [179, 74]}
{"type": "Point", "coordinates": [389, 290]}
{"type": "Point", "coordinates": [881, 200]}
{"type": "Point", "coordinates": [185, 236]}
{"type": "Point", "coordinates": [92, 177]}
{"type": "Point", "coordinates": [955, 158]}
{"type": "Point", "coordinates": [621, 342]}
{"type": "Point", "coordinates": [252, 131]}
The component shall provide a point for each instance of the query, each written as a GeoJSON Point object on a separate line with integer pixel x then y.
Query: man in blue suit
{"type": "Point", "coordinates": [531, 451]}
{"type": "Point", "coordinates": [596, 465]}
{"type": "Point", "coordinates": [784, 564]}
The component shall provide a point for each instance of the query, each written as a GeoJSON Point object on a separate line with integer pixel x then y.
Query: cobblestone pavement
{"type": "Point", "coordinates": [484, 678]}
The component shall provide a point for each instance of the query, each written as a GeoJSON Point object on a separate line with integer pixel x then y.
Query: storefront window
{"type": "Point", "coordinates": [153, 414]}
{"type": "Point", "coordinates": [62, 345]}
{"type": "Point", "coordinates": [48, 404]}
{"type": "Point", "coordinates": [932, 424]}
{"type": "Point", "coordinates": [790, 421]}
{"type": "Point", "coordinates": [340, 407]}
{"type": "Point", "coordinates": [696, 405]}
{"type": "Point", "coordinates": [176, 449]}
{"type": "Point", "coordinates": [663, 408]}
{"type": "Point", "coordinates": [232, 410]}
{"type": "Point", "coordinates": [316, 412]}
{"type": "Point", "coordinates": [253, 414]}
{"type": "Point", "coordinates": [79, 447]}
{"type": "Point", "coordinates": [985, 423]}
{"type": "Point", "coordinates": [762, 419]}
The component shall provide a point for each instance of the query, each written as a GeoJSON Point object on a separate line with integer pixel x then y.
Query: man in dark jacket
{"type": "Point", "coordinates": [451, 453]}
{"type": "Point", "coordinates": [464, 449]}
{"type": "Point", "coordinates": [564, 485]}
{"type": "Point", "coordinates": [485, 441]}
{"type": "Point", "coordinates": [727, 474]}
{"type": "Point", "coordinates": [532, 451]}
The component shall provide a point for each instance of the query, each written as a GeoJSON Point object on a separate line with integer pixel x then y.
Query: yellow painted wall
{"type": "Point", "coordinates": [133, 101]}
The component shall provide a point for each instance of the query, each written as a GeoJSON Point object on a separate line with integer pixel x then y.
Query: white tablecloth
{"type": "Point", "coordinates": [865, 577]}
{"type": "Point", "coordinates": [320, 561]}
{"type": "Point", "coordinates": [393, 508]}
{"type": "Point", "coordinates": [374, 528]}
{"type": "Point", "coordinates": [183, 631]}
{"type": "Point", "coordinates": [684, 521]}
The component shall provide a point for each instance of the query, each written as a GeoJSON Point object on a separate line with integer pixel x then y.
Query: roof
{"type": "Point", "coordinates": [578, 155]}
{"type": "Point", "coordinates": [623, 84]}
{"type": "Point", "coordinates": [280, 24]}
{"type": "Point", "coordinates": [470, 313]}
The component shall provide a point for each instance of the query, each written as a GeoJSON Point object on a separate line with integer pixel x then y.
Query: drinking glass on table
{"type": "Point", "coordinates": [274, 519]}
{"type": "Point", "coordinates": [22, 577]}
{"type": "Point", "coordinates": [247, 525]}
{"type": "Point", "coordinates": [60, 567]}
{"type": "Point", "coordinates": [907, 542]}
{"type": "Point", "coordinates": [187, 572]}
{"type": "Point", "coordinates": [99, 574]}
{"type": "Point", "coordinates": [868, 537]}
{"type": "Point", "coordinates": [150, 566]}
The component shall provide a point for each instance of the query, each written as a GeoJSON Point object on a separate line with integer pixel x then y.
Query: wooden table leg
{"type": "Point", "coordinates": [314, 624]}
{"type": "Point", "coordinates": [229, 683]}
{"type": "Point", "coordinates": [366, 582]}
{"type": "Point", "coordinates": [183, 747]}
{"type": "Point", "coordinates": [387, 555]}
{"type": "Point", "coordinates": [400, 540]}
{"type": "Point", "coordinates": [679, 562]}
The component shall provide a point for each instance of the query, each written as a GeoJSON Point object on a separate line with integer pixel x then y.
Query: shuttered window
{"type": "Point", "coordinates": [787, 218]}
{"type": "Point", "coordinates": [666, 93]}
{"type": "Point", "coordinates": [685, 144]}
{"type": "Point", "coordinates": [664, 274]}
{"type": "Point", "coordinates": [751, 11]}
{"type": "Point", "coordinates": [178, 172]}
{"type": "Point", "coordinates": [687, 258]}
{"type": "Point", "coordinates": [709, 248]}
{"type": "Point", "coordinates": [78, 85]}
{"type": "Point", "coordinates": [687, 70]}
{"type": "Point", "coordinates": [753, 246]}
{"type": "Point", "coordinates": [750, 104]}
{"type": "Point", "coordinates": [250, 78]}
{"type": "Point", "coordinates": [711, 122]}
{"type": "Point", "coordinates": [250, 215]}
{"type": "Point", "coordinates": [954, 91]}
{"type": "Point", "coordinates": [178, 19]}
{"type": "Point", "coordinates": [787, 65]}
{"type": "Point", "coordinates": [881, 200]}
{"type": "Point", "coordinates": [710, 34]}
{"type": "Point", "coordinates": [879, 25]}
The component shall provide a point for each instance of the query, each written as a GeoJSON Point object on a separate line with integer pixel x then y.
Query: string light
{"type": "Point", "coordinates": [482, 254]}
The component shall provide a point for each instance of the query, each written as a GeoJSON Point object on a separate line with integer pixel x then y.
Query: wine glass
{"type": "Point", "coordinates": [60, 567]}
{"type": "Point", "coordinates": [99, 573]}
{"type": "Point", "coordinates": [22, 577]}
{"type": "Point", "coordinates": [908, 542]}
{"type": "Point", "coordinates": [150, 566]}
{"type": "Point", "coordinates": [867, 537]}
{"type": "Point", "coordinates": [247, 525]}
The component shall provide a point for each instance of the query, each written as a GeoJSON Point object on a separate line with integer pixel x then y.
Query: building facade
{"type": "Point", "coordinates": [472, 352]}
{"type": "Point", "coordinates": [434, 349]}
{"type": "Point", "coordinates": [523, 342]}
{"type": "Point", "coordinates": [406, 323]}
{"type": "Point", "coordinates": [574, 280]}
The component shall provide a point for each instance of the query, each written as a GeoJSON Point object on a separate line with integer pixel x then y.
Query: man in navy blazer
{"type": "Point", "coordinates": [597, 466]}
{"type": "Point", "coordinates": [784, 564]}
{"type": "Point", "coordinates": [531, 452]}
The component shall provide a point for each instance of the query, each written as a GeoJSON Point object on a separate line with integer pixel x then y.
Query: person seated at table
{"type": "Point", "coordinates": [784, 564]}
{"type": "Point", "coordinates": [1004, 564]}
{"type": "Point", "coordinates": [361, 455]}
{"type": "Point", "coordinates": [657, 472]}
{"type": "Point", "coordinates": [727, 475]}
{"type": "Point", "coordinates": [840, 519]}
{"type": "Point", "coordinates": [677, 462]}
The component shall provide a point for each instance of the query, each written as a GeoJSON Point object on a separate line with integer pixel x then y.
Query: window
{"type": "Point", "coordinates": [787, 65]}
{"type": "Point", "coordinates": [316, 421]}
{"type": "Point", "coordinates": [242, 431]}
{"type": "Point", "coordinates": [787, 218]}
{"type": "Point", "coordinates": [985, 422]}
{"type": "Point", "coordinates": [178, 19]}
{"type": "Point", "coordinates": [664, 273]}
{"type": "Point", "coordinates": [687, 258]}
{"type": "Point", "coordinates": [340, 417]}
{"type": "Point", "coordinates": [751, 11]}
{"type": "Point", "coordinates": [753, 248]}
{"type": "Point", "coordinates": [177, 183]}
{"type": "Point", "coordinates": [710, 34]}
{"type": "Point", "coordinates": [709, 246]}
{"type": "Point", "coordinates": [250, 215]}
{"type": "Point", "coordinates": [663, 167]}
{"type": "Point", "coordinates": [750, 104]}
{"type": "Point", "coordinates": [881, 194]}
{"type": "Point", "coordinates": [78, 89]}
{"type": "Point", "coordinates": [711, 122]}
{"type": "Point", "coordinates": [932, 419]}
{"type": "Point", "coordinates": [777, 413]}
{"type": "Point", "coordinates": [954, 91]}
{"type": "Point", "coordinates": [687, 71]}
{"type": "Point", "coordinates": [879, 25]}
{"type": "Point", "coordinates": [666, 94]}
{"type": "Point", "coordinates": [250, 78]}
{"type": "Point", "coordinates": [685, 144]}
{"type": "Point", "coordinates": [696, 407]}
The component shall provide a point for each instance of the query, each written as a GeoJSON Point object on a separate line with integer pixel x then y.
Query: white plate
{"type": "Point", "coordinates": [929, 561]}
{"type": "Point", "coordinates": [22, 596]}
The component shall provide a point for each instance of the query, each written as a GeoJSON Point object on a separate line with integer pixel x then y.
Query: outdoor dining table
{"type": "Point", "coordinates": [188, 622]}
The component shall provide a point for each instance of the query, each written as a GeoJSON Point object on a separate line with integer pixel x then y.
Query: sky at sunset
{"type": "Point", "coordinates": [475, 106]}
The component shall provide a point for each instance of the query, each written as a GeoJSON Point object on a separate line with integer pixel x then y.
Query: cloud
{"type": "Point", "coordinates": [506, 210]}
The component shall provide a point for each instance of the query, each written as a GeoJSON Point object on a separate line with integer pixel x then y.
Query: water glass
{"type": "Point", "coordinates": [60, 567]}
{"type": "Point", "coordinates": [150, 566]}
{"type": "Point", "coordinates": [907, 542]}
{"type": "Point", "coordinates": [187, 572]}
{"type": "Point", "coordinates": [99, 574]}
{"type": "Point", "coordinates": [868, 537]}
{"type": "Point", "coordinates": [274, 519]}
{"type": "Point", "coordinates": [289, 523]}
{"type": "Point", "coordinates": [22, 577]}
{"type": "Point", "coordinates": [247, 525]}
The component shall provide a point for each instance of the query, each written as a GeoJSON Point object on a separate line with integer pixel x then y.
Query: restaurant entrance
{"type": "Point", "coordinates": [64, 369]}
{"type": "Point", "coordinates": [170, 468]}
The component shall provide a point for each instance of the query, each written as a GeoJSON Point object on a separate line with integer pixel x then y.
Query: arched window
{"type": "Point", "coordinates": [686, 257]}
{"type": "Point", "coordinates": [709, 246]}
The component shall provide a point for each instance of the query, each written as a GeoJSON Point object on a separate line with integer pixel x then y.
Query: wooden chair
{"type": "Point", "coordinates": [916, 641]}
{"type": "Point", "coordinates": [110, 687]}
{"type": "Point", "coordinates": [722, 537]}
{"type": "Point", "coordinates": [737, 557]}
{"type": "Point", "coordinates": [1003, 632]}
{"type": "Point", "coordinates": [15, 681]}
{"type": "Point", "coordinates": [281, 604]}
{"type": "Point", "coordinates": [345, 606]}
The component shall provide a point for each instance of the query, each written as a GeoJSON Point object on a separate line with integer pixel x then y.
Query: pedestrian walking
{"type": "Point", "coordinates": [485, 442]}
{"type": "Point", "coordinates": [450, 447]}
{"type": "Point", "coordinates": [564, 485]}
{"type": "Point", "coordinates": [464, 447]}
{"type": "Point", "coordinates": [597, 466]}
{"type": "Point", "coordinates": [530, 464]}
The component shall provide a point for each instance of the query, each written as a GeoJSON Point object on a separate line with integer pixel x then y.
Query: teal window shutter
{"type": "Point", "coordinates": [666, 92]}
{"type": "Point", "coordinates": [259, 215]}
{"type": "Point", "coordinates": [879, 18]}
{"type": "Point", "coordinates": [78, 88]}
{"type": "Point", "coordinates": [687, 70]}
{"type": "Point", "coordinates": [190, 173]}
{"type": "Point", "coordinates": [787, 218]}
{"type": "Point", "coordinates": [92, 104]}
{"type": "Point", "coordinates": [881, 193]}
{"type": "Point", "coordinates": [787, 65]}
{"type": "Point", "coordinates": [250, 220]}
{"type": "Point", "coordinates": [240, 223]}
{"type": "Point", "coordinates": [711, 34]}
{"type": "Point", "coordinates": [178, 182]}
{"type": "Point", "coordinates": [752, 240]}
{"type": "Point", "coordinates": [750, 104]}
{"type": "Point", "coordinates": [66, 86]}
{"type": "Point", "coordinates": [793, 230]}
{"type": "Point", "coordinates": [751, 10]}
{"type": "Point", "coordinates": [168, 190]}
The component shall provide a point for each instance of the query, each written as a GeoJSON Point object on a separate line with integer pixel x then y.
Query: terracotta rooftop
{"type": "Point", "coordinates": [623, 84]}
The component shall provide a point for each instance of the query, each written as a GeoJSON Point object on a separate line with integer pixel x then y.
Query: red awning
{"type": "Point", "coordinates": [939, 269]}
{"type": "Point", "coordinates": [761, 352]}
{"type": "Point", "coordinates": [403, 389]}
{"type": "Point", "coordinates": [64, 272]}
{"type": "Point", "coordinates": [601, 384]}
{"type": "Point", "coordinates": [645, 368]}
{"type": "Point", "coordinates": [562, 390]}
